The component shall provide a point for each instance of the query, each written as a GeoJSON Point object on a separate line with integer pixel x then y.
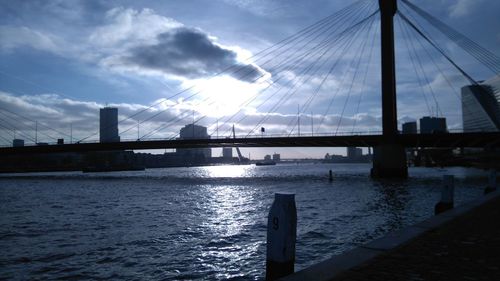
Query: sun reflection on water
{"type": "Point", "coordinates": [229, 171]}
{"type": "Point", "coordinates": [228, 207]}
{"type": "Point", "coordinates": [230, 220]}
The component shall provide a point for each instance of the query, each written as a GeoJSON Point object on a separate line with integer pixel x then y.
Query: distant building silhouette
{"type": "Point", "coordinates": [193, 131]}
{"type": "Point", "coordinates": [410, 127]}
{"type": "Point", "coordinates": [17, 142]}
{"type": "Point", "coordinates": [430, 125]}
{"type": "Point", "coordinates": [108, 125]}
{"type": "Point", "coordinates": [276, 157]}
{"type": "Point", "coordinates": [227, 152]}
{"type": "Point", "coordinates": [354, 153]}
{"type": "Point", "coordinates": [481, 106]}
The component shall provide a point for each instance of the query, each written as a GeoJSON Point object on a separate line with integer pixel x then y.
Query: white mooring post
{"type": "Point", "coordinates": [492, 182]}
{"type": "Point", "coordinates": [281, 237]}
{"type": "Point", "coordinates": [447, 192]}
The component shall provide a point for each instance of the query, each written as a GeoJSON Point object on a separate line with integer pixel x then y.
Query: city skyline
{"type": "Point", "coordinates": [69, 60]}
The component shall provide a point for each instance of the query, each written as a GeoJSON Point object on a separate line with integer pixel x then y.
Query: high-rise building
{"type": "Point", "coordinates": [430, 125]}
{"type": "Point", "coordinates": [108, 125]}
{"type": "Point", "coordinates": [193, 131]}
{"type": "Point", "coordinates": [481, 106]}
{"type": "Point", "coordinates": [410, 127]}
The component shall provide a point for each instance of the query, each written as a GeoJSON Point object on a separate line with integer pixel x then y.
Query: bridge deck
{"type": "Point", "coordinates": [411, 140]}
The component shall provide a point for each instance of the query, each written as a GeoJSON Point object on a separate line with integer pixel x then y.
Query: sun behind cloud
{"type": "Point", "coordinates": [224, 95]}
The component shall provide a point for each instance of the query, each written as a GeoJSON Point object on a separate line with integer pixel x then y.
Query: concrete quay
{"type": "Point", "coordinates": [459, 244]}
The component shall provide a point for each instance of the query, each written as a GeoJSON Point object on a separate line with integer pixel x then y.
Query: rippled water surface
{"type": "Point", "coordinates": [206, 223]}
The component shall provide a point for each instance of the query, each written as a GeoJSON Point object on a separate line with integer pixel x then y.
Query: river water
{"type": "Point", "coordinates": [203, 223]}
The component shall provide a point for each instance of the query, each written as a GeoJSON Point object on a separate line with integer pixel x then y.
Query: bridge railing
{"type": "Point", "coordinates": [266, 135]}
{"type": "Point", "coordinates": [255, 136]}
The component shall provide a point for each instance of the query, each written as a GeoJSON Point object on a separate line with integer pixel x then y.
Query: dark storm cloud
{"type": "Point", "coordinates": [190, 53]}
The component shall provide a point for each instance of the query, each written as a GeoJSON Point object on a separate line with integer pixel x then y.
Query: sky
{"type": "Point", "coordinates": [172, 62]}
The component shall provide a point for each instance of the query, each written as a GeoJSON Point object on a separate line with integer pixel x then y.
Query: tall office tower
{"type": "Point", "coordinates": [108, 125]}
{"type": "Point", "coordinates": [481, 106]}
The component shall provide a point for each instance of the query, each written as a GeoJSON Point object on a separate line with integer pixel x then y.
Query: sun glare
{"type": "Point", "coordinates": [225, 95]}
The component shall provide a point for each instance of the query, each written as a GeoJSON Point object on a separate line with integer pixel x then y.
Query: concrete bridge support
{"type": "Point", "coordinates": [389, 161]}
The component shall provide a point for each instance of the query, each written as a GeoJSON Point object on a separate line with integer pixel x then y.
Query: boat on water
{"type": "Point", "coordinates": [265, 163]}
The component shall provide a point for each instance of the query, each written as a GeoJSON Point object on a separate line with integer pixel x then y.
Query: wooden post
{"type": "Point", "coordinates": [281, 236]}
{"type": "Point", "coordinates": [331, 175]}
{"type": "Point", "coordinates": [447, 191]}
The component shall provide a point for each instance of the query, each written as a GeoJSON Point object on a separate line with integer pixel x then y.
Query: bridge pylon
{"type": "Point", "coordinates": [389, 159]}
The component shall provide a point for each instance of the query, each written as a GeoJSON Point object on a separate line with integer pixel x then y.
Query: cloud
{"type": "Point", "coordinates": [16, 36]}
{"type": "Point", "coordinates": [277, 124]}
{"type": "Point", "coordinates": [260, 7]}
{"type": "Point", "coordinates": [139, 41]}
{"type": "Point", "coordinates": [463, 7]}
{"type": "Point", "coordinates": [189, 53]}
{"type": "Point", "coordinates": [51, 111]}
{"type": "Point", "coordinates": [129, 27]}
{"type": "Point", "coordinates": [56, 115]}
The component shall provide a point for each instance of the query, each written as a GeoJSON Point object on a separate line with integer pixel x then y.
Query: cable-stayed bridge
{"type": "Point", "coordinates": [484, 139]}
{"type": "Point", "coordinates": [330, 49]}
